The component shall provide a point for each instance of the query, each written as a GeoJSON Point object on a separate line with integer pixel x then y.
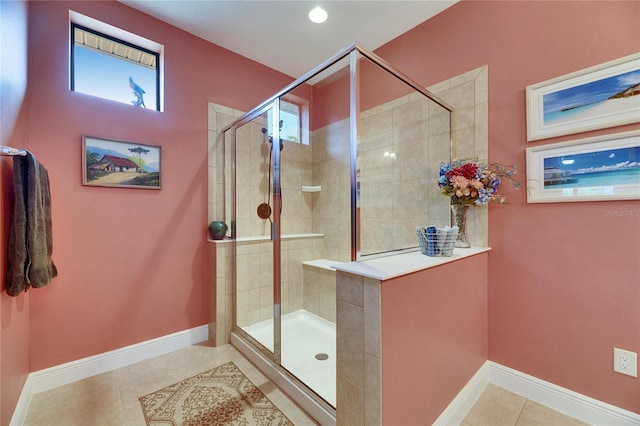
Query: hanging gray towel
{"type": "Point", "coordinates": [30, 242]}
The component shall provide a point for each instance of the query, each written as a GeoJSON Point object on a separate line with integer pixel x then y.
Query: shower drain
{"type": "Point", "coordinates": [322, 357]}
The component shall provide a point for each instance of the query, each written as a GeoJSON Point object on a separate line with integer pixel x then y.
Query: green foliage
{"type": "Point", "coordinates": [147, 179]}
{"type": "Point", "coordinates": [140, 162]}
{"type": "Point", "coordinates": [92, 157]}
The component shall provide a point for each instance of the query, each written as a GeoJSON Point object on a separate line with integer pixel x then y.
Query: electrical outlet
{"type": "Point", "coordinates": [625, 362]}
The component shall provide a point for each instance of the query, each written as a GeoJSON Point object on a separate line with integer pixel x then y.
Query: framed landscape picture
{"type": "Point", "coordinates": [592, 169]}
{"type": "Point", "coordinates": [603, 96]}
{"type": "Point", "coordinates": [112, 163]}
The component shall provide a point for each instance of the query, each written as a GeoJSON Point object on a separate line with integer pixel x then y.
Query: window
{"type": "Point", "coordinates": [290, 116]}
{"type": "Point", "coordinates": [293, 121]}
{"type": "Point", "coordinates": [111, 67]}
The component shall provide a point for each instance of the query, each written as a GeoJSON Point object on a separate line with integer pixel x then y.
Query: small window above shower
{"type": "Point", "coordinates": [294, 118]}
{"type": "Point", "coordinates": [114, 64]}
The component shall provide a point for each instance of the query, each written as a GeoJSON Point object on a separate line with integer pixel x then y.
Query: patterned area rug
{"type": "Point", "coordinates": [220, 396]}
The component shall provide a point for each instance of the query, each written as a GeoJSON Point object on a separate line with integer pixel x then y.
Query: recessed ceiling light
{"type": "Point", "coordinates": [318, 15]}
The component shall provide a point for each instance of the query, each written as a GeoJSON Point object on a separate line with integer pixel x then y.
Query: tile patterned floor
{"type": "Point", "coordinates": [499, 407]}
{"type": "Point", "coordinates": [111, 399]}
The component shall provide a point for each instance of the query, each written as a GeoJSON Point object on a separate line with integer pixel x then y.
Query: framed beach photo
{"type": "Point", "coordinates": [603, 96]}
{"type": "Point", "coordinates": [107, 162]}
{"type": "Point", "coordinates": [593, 169]}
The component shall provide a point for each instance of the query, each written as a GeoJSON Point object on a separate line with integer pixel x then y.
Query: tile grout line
{"type": "Point", "coordinates": [120, 397]}
{"type": "Point", "coordinates": [521, 411]}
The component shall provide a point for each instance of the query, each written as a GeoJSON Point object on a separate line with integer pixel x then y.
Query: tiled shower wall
{"type": "Point", "coordinates": [255, 276]}
{"type": "Point", "coordinates": [468, 94]}
{"type": "Point", "coordinates": [252, 173]}
{"type": "Point", "coordinates": [398, 144]}
{"type": "Point", "coordinates": [399, 193]}
{"type": "Point", "coordinates": [255, 281]}
{"type": "Point", "coordinates": [218, 117]}
{"type": "Point", "coordinates": [326, 163]}
{"type": "Point", "coordinates": [332, 205]}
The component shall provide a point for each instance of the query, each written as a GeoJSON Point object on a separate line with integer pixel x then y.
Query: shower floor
{"type": "Point", "coordinates": [304, 335]}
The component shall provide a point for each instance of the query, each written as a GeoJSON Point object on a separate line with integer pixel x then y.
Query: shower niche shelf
{"type": "Point", "coordinates": [315, 188]}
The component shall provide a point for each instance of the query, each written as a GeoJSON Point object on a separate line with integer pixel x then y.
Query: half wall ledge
{"type": "Point", "coordinates": [409, 321]}
{"type": "Point", "coordinates": [388, 267]}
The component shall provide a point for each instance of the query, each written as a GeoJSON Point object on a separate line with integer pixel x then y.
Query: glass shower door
{"type": "Point", "coordinates": [254, 216]}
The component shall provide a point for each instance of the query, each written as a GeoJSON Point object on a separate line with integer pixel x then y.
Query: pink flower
{"type": "Point", "coordinates": [459, 182]}
{"type": "Point", "coordinates": [477, 184]}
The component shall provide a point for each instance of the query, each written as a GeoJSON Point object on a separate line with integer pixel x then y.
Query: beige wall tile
{"type": "Point", "coordinates": [482, 85]}
{"type": "Point", "coordinates": [350, 343]}
{"type": "Point", "coordinates": [466, 77]}
{"type": "Point", "coordinates": [350, 405]}
{"type": "Point", "coordinates": [349, 288]}
{"type": "Point", "coordinates": [373, 390]}
{"type": "Point", "coordinates": [372, 318]}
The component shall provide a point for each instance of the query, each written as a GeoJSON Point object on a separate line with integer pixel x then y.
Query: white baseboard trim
{"type": "Point", "coordinates": [566, 401]}
{"type": "Point", "coordinates": [458, 409]}
{"type": "Point", "coordinates": [20, 413]}
{"type": "Point", "coordinates": [49, 378]}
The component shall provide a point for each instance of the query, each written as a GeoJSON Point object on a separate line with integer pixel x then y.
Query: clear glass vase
{"type": "Point", "coordinates": [459, 212]}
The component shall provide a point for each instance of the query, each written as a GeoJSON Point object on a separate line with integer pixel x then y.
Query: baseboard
{"type": "Point", "coordinates": [566, 401]}
{"type": "Point", "coordinates": [458, 409]}
{"type": "Point", "coordinates": [49, 378]}
{"type": "Point", "coordinates": [20, 412]}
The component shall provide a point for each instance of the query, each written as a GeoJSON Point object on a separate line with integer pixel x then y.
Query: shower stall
{"type": "Point", "coordinates": [339, 166]}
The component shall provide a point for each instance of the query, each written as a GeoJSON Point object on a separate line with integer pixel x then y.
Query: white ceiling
{"type": "Point", "coordinates": [279, 35]}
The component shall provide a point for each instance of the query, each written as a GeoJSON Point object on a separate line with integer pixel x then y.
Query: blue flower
{"type": "Point", "coordinates": [445, 168]}
{"type": "Point", "coordinates": [483, 196]}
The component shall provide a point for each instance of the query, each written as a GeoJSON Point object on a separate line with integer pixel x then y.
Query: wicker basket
{"type": "Point", "coordinates": [434, 243]}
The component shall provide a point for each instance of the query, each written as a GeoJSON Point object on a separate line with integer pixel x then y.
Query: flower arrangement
{"type": "Point", "coordinates": [471, 182]}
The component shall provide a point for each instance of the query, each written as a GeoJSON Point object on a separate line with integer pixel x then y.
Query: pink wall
{"type": "Point", "coordinates": [563, 278]}
{"type": "Point", "coordinates": [131, 262]}
{"type": "Point", "coordinates": [14, 311]}
{"type": "Point", "coordinates": [434, 338]}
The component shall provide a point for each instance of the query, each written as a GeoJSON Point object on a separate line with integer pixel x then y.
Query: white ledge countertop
{"type": "Point", "coordinates": [266, 238]}
{"type": "Point", "coordinates": [385, 268]}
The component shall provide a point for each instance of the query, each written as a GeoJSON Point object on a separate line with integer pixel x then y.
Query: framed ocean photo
{"type": "Point", "coordinates": [112, 163]}
{"type": "Point", "coordinates": [593, 169]}
{"type": "Point", "coordinates": [599, 97]}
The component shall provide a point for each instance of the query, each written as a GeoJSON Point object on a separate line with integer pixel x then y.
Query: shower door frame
{"type": "Point", "coordinates": [322, 408]}
{"type": "Point", "coordinates": [243, 337]}
{"type": "Point", "coordinates": [275, 231]}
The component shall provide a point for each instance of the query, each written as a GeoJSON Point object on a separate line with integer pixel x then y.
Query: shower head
{"type": "Point", "coordinates": [264, 132]}
{"type": "Point", "coordinates": [280, 124]}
